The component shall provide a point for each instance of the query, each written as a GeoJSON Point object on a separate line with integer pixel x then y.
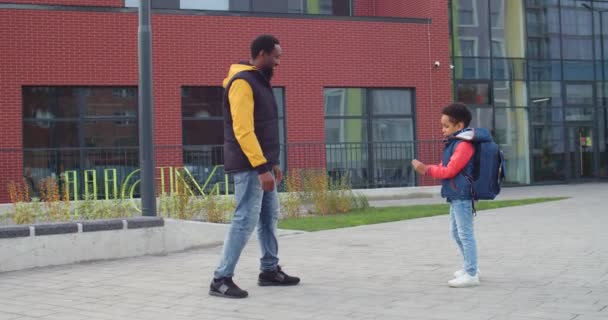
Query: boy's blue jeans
{"type": "Point", "coordinates": [461, 225]}
{"type": "Point", "coordinates": [254, 207]}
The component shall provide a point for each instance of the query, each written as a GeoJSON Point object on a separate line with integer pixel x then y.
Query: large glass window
{"type": "Point", "coordinates": [548, 152]}
{"type": "Point", "coordinates": [356, 116]}
{"type": "Point", "coordinates": [202, 116]}
{"type": "Point", "coordinates": [576, 30]}
{"type": "Point", "coordinates": [471, 27]}
{"type": "Point", "coordinates": [511, 134]}
{"type": "Point", "coordinates": [473, 93]}
{"type": "Point", "coordinates": [543, 29]}
{"type": "Point", "coordinates": [507, 39]}
{"type": "Point", "coordinates": [79, 128]}
{"type": "Point", "coordinates": [326, 7]}
{"type": "Point", "coordinates": [545, 79]}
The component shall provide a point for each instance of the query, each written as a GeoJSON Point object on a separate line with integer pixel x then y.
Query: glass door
{"type": "Point", "coordinates": [581, 151]}
{"type": "Point", "coordinates": [581, 130]}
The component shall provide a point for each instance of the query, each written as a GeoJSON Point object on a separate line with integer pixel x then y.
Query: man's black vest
{"type": "Point", "coordinates": [266, 124]}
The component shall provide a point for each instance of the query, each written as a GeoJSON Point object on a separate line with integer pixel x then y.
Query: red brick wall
{"type": "Point", "coordinates": [396, 9]}
{"type": "Point", "coordinates": [95, 48]}
{"type": "Point", "coordinates": [408, 9]}
{"type": "Point", "coordinates": [364, 8]}
{"type": "Point", "coordinates": [439, 78]}
{"type": "Point", "coordinates": [92, 3]}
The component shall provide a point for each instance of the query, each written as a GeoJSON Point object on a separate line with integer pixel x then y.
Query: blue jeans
{"type": "Point", "coordinates": [254, 207]}
{"type": "Point", "coordinates": [461, 225]}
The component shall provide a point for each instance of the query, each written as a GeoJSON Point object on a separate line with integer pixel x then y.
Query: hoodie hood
{"type": "Point", "coordinates": [236, 68]}
{"type": "Point", "coordinates": [474, 135]}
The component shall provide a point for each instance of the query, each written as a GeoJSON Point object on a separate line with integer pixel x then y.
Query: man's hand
{"type": "Point", "coordinates": [266, 181]}
{"type": "Point", "coordinates": [278, 175]}
{"type": "Point", "coordinates": [419, 166]}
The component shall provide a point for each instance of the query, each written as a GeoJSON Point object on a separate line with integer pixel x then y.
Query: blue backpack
{"type": "Point", "coordinates": [488, 164]}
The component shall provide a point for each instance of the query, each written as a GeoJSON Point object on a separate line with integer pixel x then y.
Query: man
{"type": "Point", "coordinates": [251, 153]}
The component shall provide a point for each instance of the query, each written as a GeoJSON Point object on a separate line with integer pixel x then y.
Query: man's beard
{"type": "Point", "coordinates": [268, 72]}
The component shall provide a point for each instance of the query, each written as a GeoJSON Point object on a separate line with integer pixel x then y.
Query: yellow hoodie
{"type": "Point", "coordinates": [240, 98]}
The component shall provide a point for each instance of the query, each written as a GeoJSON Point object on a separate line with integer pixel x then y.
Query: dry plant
{"type": "Point", "coordinates": [55, 199]}
{"type": "Point", "coordinates": [23, 211]}
{"type": "Point", "coordinates": [291, 200]}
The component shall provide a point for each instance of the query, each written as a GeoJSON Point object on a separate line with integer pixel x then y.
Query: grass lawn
{"type": "Point", "coordinates": [389, 214]}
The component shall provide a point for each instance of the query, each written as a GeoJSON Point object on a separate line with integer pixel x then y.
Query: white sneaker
{"type": "Point", "coordinates": [464, 281]}
{"type": "Point", "coordinates": [461, 273]}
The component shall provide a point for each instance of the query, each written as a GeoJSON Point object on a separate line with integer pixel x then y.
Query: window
{"type": "Point", "coordinates": [576, 20]}
{"type": "Point", "coordinates": [203, 128]}
{"type": "Point", "coordinates": [511, 128]}
{"type": "Point", "coordinates": [498, 49]}
{"type": "Point", "coordinates": [497, 16]}
{"type": "Point", "coordinates": [579, 94]}
{"type": "Point", "coordinates": [222, 5]}
{"type": "Point", "coordinates": [543, 28]}
{"type": "Point", "coordinates": [156, 4]}
{"type": "Point", "coordinates": [470, 65]}
{"type": "Point", "coordinates": [467, 13]}
{"type": "Point", "coordinates": [499, 67]}
{"type": "Point", "coordinates": [544, 48]}
{"type": "Point", "coordinates": [473, 93]}
{"type": "Point", "coordinates": [202, 116]}
{"type": "Point", "coordinates": [545, 93]}
{"type": "Point", "coordinates": [327, 7]}
{"type": "Point", "coordinates": [548, 158]}
{"type": "Point", "coordinates": [369, 135]}
{"type": "Point", "coordinates": [543, 70]}
{"type": "Point", "coordinates": [79, 128]}
{"type": "Point", "coordinates": [468, 47]}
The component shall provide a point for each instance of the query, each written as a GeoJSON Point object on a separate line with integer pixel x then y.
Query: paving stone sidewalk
{"type": "Point", "coordinates": [543, 261]}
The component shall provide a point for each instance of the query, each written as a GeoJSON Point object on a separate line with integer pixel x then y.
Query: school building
{"type": "Point", "coordinates": [360, 86]}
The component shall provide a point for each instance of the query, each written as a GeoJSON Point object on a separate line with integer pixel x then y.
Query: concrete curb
{"type": "Point", "coordinates": [44, 245]}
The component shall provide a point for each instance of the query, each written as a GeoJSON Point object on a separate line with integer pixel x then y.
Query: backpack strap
{"type": "Point", "coordinates": [469, 178]}
{"type": "Point", "coordinates": [473, 193]}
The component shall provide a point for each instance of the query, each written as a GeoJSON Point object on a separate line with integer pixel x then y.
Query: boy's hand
{"type": "Point", "coordinates": [419, 166]}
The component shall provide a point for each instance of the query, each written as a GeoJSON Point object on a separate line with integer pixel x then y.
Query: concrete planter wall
{"type": "Point", "coordinates": [23, 247]}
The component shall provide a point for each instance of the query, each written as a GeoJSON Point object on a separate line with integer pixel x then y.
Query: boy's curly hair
{"type": "Point", "coordinates": [458, 112]}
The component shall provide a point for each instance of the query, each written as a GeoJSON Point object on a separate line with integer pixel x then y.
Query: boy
{"type": "Point", "coordinates": [455, 168]}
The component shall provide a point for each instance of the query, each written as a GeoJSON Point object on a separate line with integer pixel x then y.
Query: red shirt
{"type": "Point", "coordinates": [461, 156]}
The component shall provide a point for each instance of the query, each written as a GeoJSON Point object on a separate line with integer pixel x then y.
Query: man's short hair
{"type": "Point", "coordinates": [264, 43]}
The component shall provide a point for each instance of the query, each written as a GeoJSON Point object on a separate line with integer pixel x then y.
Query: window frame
{"type": "Point", "coordinates": [474, 13]}
{"type": "Point", "coordinates": [369, 158]}
{"type": "Point", "coordinates": [82, 118]}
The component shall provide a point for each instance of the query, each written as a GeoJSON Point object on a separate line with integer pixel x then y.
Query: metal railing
{"type": "Point", "coordinates": [106, 170]}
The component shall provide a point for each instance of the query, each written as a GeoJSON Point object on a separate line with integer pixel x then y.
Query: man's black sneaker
{"type": "Point", "coordinates": [225, 287]}
{"type": "Point", "coordinates": [277, 278]}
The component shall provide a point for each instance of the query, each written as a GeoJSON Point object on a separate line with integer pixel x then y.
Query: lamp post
{"type": "Point", "coordinates": [146, 112]}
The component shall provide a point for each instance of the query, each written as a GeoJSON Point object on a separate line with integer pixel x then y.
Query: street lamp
{"type": "Point", "coordinates": [146, 112]}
